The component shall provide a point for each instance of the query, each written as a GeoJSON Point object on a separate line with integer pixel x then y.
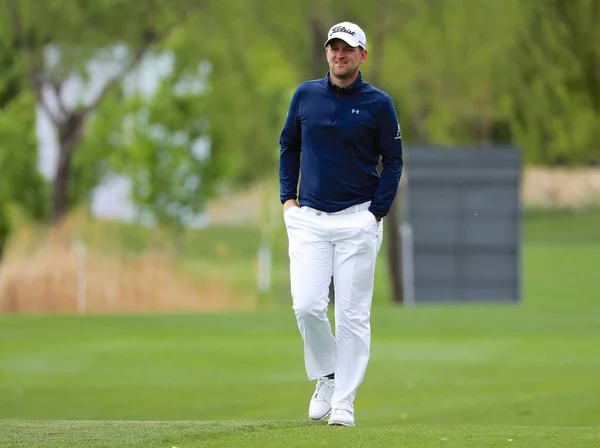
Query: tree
{"type": "Point", "coordinates": [21, 185]}
{"type": "Point", "coordinates": [58, 40]}
{"type": "Point", "coordinates": [158, 142]}
{"type": "Point", "coordinates": [213, 118]}
{"type": "Point", "coordinates": [552, 95]}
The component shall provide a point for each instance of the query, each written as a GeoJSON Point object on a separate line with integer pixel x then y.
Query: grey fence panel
{"type": "Point", "coordinates": [463, 209]}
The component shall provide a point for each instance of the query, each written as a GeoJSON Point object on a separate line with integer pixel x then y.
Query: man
{"type": "Point", "coordinates": [335, 132]}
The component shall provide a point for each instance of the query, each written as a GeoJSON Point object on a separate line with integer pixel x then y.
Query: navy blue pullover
{"type": "Point", "coordinates": [331, 141]}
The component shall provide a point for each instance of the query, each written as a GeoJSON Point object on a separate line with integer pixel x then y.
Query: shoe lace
{"type": "Point", "coordinates": [324, 388]}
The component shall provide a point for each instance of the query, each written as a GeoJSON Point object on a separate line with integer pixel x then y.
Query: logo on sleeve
{"type": "Point", "coordinates": [399, 133]}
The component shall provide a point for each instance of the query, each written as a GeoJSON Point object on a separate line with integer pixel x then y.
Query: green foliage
{"type": "Point", "coordinates": [247, 96]}
{"type": "Point", "coordinates": [5, 226]}
{"type": "Point", "coordinates": [86, 30]}
{"type": "Point", "coordinates": [59, 44]}
{"type": "Point", "coordinates": [20, 181]}
{"type": "Point", "coordinates": [554, 97]}
{"type": "Point", "coordinates": [21, 185]}
{"type": "Point", "coordinates": [460, 72]}
{"type": "Point", "coordinates": [157, 143]}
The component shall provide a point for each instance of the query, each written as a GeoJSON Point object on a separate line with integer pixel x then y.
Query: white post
{"type": "Point", "coordinates": [407, 263]}
{"type": "Point", "coordinates": [270, 220]}
{"type": "Point", "coordinates": [264, 267]}
{"type": "Point", "coordinates": [81, 278]}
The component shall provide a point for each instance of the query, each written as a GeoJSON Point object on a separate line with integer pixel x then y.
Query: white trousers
{"type": "Point", "coordinates": [344, 245]}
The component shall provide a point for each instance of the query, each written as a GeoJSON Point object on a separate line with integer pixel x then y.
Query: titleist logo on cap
{"type": "Point", "coordinates": [341, 29]}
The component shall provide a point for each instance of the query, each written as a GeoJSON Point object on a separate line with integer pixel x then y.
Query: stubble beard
{"type": "Point", "coordinates": [345, 73]}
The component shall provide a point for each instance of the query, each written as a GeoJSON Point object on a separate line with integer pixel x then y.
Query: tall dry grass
{"type": "Point", "coordinates": [47, 271]}
{"type": "Point", "coordinates": [561, 187]}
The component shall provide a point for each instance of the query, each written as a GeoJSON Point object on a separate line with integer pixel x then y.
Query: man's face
{"type": "Point", "coordinates": [344, 60]}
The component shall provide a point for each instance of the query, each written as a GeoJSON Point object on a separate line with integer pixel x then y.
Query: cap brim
{"type": "Point", "coordinates": [345, 37]}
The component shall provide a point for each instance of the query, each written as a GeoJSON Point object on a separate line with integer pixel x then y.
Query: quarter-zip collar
{"type": "Point", "coordinates": [352, 88]}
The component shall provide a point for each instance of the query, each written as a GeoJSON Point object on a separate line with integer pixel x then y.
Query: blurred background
{"type": "Point", "coordinates": [139, 140]}
{"type": "Point", "coordinates": [143, 255]}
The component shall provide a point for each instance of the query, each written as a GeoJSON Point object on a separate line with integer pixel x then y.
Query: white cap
{"type": "Point", "coordinates": [349, 32]}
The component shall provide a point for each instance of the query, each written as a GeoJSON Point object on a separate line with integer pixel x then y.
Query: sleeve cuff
{"type": "Point", "coordinates": [287, 198]}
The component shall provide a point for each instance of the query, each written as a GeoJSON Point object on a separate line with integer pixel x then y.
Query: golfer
{"type": "Point", "coordinates": [336, 130]}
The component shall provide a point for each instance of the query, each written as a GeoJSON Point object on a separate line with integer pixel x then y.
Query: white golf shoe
{"type": "Point", "coordinates": [320, 403]}
{"type": "Point", "coordinates": [341, 417]}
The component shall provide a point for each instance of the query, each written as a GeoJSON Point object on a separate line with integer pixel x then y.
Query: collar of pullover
{"type": "Point", "coordinates": [352, 88]}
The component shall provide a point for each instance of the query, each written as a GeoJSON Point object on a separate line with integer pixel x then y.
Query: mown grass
{"type": "Point", "coordinates": [470, 374]}
{"type": "Point", "coordinates": [301, 434]}
{"type": "Point", "coordinates": [522, 375]}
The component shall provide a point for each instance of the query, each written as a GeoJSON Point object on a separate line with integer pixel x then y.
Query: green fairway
{"type": "Point", "coordinates": [521, 375]}
{"type": "Point", "coordinates": [300, 434]}
{"type": "Point", "coordinates": [475, 373]}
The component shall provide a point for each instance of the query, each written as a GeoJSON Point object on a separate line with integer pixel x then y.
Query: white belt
{"type": "Point", "coordinates": [352, 209]}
